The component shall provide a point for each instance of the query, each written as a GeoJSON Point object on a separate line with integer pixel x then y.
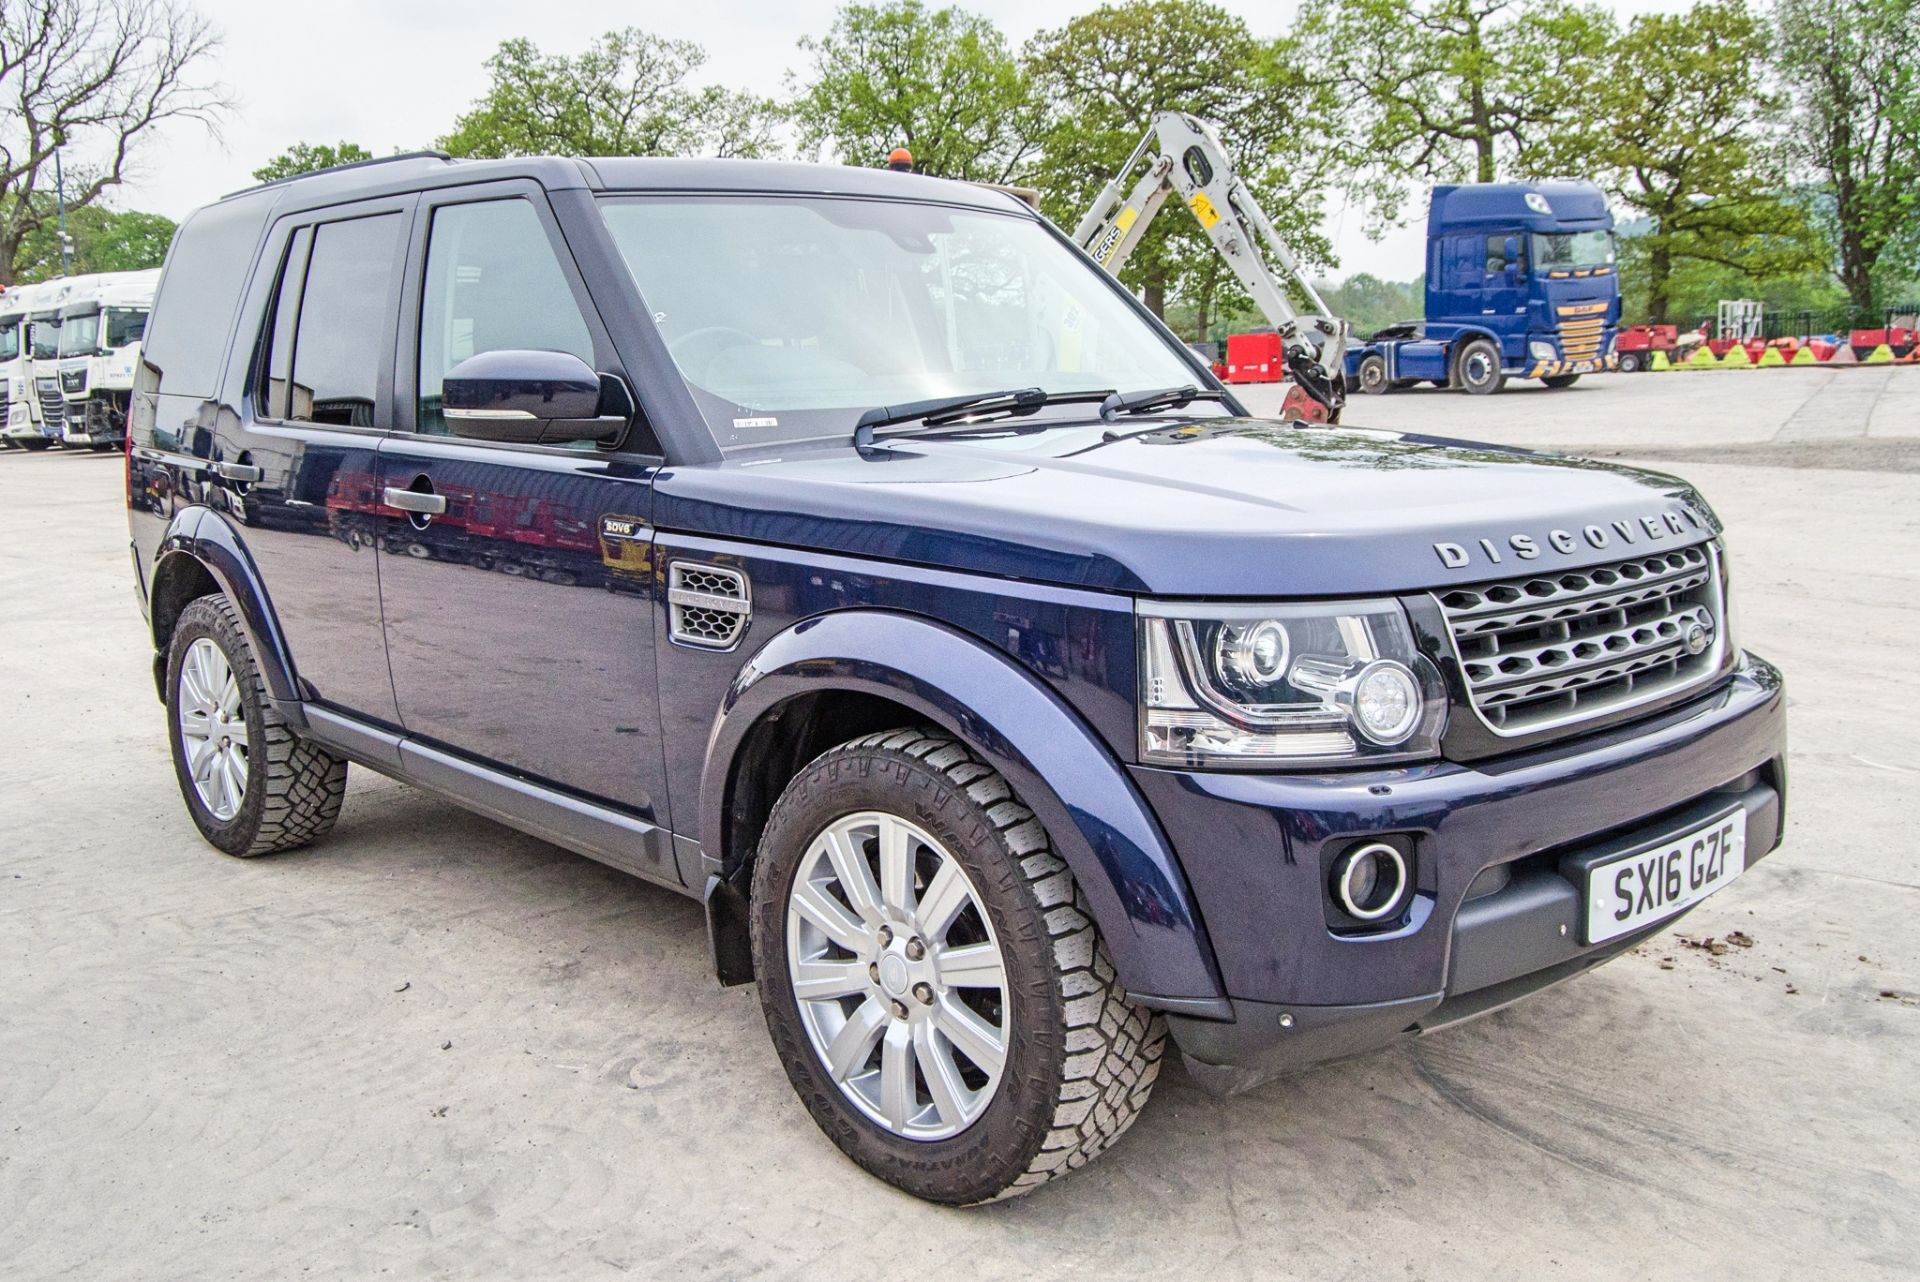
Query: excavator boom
{"type": "Point", "coordinates": [1180, 154]}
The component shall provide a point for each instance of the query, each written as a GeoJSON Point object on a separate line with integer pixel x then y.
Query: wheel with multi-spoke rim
{"type": "Point", "coordinates": [251, 785]}
{"type": "Point", "coordinates": [932, 978]}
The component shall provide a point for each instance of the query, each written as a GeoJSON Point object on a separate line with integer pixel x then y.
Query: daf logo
{"type": "Point", "coordinates": [1528, 547]}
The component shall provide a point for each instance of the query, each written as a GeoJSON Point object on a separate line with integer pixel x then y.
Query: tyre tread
{"type": "Point", "coordinates": [303, 784]}
{"type": "Point", "coordinates": [1114, 1048]}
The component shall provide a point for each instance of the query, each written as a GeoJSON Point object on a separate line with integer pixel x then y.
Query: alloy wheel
{"type": "Point", "coordinates": [898, 978]}
{"type": "Point", "coordinates": [213, 729]}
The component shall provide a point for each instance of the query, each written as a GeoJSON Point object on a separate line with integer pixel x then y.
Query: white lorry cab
{"type": "Point", "coordinates": [41, 353]}
{"type": "Point", "coordinates": [101, 327]}
{"type": "Point", "coordinates": [18, 421]}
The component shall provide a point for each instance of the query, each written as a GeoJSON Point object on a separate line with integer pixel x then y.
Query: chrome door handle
{"type": "Point", "coordinates": [245, 473]}
{"type": "Point", "coordinates": [415, 501]}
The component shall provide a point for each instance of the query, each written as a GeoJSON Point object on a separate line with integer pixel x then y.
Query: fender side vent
{"type": "Point", "coordinates": [709, 605]}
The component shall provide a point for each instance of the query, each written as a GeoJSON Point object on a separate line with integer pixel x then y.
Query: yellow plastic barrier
{"type": "Point", "coordinates": [1771, 358]}
{"type": "Point", "coordinates": [1881, 355]}
{"type": "Point", "coordinates": [1804, 356]}
{"type": "Point", "coordinates": [1737, 356]}
{"type": "Point", "coordinates": [1660, 361]}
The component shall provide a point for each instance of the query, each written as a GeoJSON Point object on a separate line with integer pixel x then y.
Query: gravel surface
{"type": "Point", "coordinates": [434, 1047]}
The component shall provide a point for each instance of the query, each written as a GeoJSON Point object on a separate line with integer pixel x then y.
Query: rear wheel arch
{"type": "Point", "coordinates": [201, 554]}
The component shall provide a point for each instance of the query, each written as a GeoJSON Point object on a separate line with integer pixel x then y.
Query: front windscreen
{"type": "Point", "coordinates": [1564, 251]}
{"type": "Point", "coordinates": [9, 338]}
{"type": "Point", "coordinates": [80, 335]}
{"type": "Point", "coordinates": [125, 325]}
{"type": "Point", "coordinates": [791, 316]}
{"type": "Point", "coordinates": [46, 339]}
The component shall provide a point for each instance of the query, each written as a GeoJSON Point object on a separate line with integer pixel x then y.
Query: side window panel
{"type": "Point", "coordinates": [493, 283]}
{"type": "Point", "coordinates": [270, 395]}
{"type": "Point", "coordinates": [343, 312]}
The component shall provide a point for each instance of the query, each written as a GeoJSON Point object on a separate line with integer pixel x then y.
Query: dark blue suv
{"type": "Point", "coordinates": [846, 550]}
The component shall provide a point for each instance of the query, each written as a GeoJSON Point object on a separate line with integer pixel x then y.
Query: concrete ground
{"type": "Point", "coordinates": [434, 1047]}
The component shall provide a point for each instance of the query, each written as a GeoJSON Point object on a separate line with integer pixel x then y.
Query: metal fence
{"type": "Point", "coordinates": [1828, 320]}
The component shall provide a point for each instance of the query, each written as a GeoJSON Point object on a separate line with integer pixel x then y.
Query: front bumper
{"type": "Point", "coordinates": [1254, 848]}
{"type": "Point", "coordinates": [1553, 369]}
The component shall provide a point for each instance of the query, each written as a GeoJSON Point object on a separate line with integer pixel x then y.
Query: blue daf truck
{"type": "Point", "coordinates": [1521, 283]}
{"type": "Point", "coordinates": [847, 551]}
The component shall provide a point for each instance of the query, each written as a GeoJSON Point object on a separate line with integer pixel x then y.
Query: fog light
{"type": "Point", "coordinates": [1541, 351]}
{"type": "Point", "coordinates": [1368, 881]}
{"type": "Point", "coordinates": [1386, 702]}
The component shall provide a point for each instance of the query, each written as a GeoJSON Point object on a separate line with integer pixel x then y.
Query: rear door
{"type": "Point", "coordinates": [292, 458]}
{"type": "Point", "coordinates": [519, 619]}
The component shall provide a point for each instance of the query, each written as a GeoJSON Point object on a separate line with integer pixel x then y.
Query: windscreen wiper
{"type": "Point", "coordinates": [951, 409]}
{"type": "Point", "coordinates": [1159, 398]}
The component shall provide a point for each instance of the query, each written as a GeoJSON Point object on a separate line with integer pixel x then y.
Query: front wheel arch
{"type": "Point", "coordinates": [1019, 727]}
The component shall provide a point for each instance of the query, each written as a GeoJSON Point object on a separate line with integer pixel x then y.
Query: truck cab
{"type": "Point", "coordinates": [101, 330]}
{"type": "Point", "coordinates": [1522, 282]}
{"type": "Point", "coordinates": [17, 419]}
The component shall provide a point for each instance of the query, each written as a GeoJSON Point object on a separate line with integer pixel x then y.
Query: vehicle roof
{"type": "Point", "coordinates": [1570, 202]}
{"type": "Point", "coordinates": [110, 289]}
{"type": "Point", "coordinates": [419, 172]}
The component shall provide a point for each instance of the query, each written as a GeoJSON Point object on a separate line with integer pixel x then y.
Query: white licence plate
{"type": "Point", "coordinates": [1639, 889]}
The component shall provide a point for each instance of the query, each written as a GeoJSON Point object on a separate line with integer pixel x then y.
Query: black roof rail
{"type": "Point", "coordinates": [428, 154]}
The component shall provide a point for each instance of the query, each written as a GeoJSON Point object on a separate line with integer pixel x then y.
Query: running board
{"type": "Point", "coordinates": [610, 836]}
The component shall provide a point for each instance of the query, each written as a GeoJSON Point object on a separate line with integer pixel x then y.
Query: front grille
{"type": "Point", "coordinates": [53, 406]}
{"type": "Point", "coordinates": [709, 605]}
{"type": "Point", "coordinates": [1582, 329]}
{"type": "Point", "coordinates": [1564, 646]}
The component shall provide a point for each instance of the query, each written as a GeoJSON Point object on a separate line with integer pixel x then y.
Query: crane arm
{"type": "Point", "coordinates": [1180, 154]}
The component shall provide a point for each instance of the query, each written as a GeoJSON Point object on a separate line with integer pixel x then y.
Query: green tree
{"type": "Point", "coordinates": [104, 240]}
{"type": "Point", "coordinates": [1103, 76]}
{"type": "Point", "coordinates": [627, 94]}
{"type": "Point", "coordinates": [93, 80]}
{"type": "Point", "coordinates": [1457, 90]}
{"type": "Point", "coordinates": [1853, 71]}
{"type": "Point", "coordinates": [940, 82]}
{"type": "Point", "coordinates": [1681, 121]}
{"type": "Point", "coordinates": [307, 158]}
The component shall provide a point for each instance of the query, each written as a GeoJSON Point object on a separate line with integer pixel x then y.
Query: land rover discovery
{"type": "Point", "coordinates": [846, 550]}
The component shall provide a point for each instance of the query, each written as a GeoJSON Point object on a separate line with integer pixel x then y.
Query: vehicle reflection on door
{"type": "Point", "coordinates": [503, 640]}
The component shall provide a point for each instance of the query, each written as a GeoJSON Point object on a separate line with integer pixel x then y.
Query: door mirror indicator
{"type": "Point", "coordinates": [527, 397]}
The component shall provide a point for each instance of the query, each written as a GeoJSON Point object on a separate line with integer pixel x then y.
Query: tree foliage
{"type": "Point", "coordinates": [1104, 74]}
{"type": "Point", "coordinates": [307, 158]}
{"type": "Point", "coordinates": [104, 240]}
{"type": "Point", "coordinates": [940, 82]}
{"type": "Point", "coordinates": [627, 94]}
{"type": "Point", "coordinates": [1853, 70]}
{"type": "Point", "coordinates": [94, 78]}
{"type": "Point", "coordinates": [1456, 90]}
{"type": "Point", "coordinates": [1678, 133]}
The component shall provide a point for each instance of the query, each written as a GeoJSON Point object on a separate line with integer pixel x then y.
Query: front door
{"type": "Point", "coordinates": [519, 615]}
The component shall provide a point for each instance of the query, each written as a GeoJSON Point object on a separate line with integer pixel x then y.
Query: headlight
{"type": "Point", "coordinates": [1541, 351]}
{"type": "Point", "coordinates": [1263, 685]}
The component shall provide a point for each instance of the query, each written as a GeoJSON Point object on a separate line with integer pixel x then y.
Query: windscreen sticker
{"type": "Point", "coordinates": [756, 422]}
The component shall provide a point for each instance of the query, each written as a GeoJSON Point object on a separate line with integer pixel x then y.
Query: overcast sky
{"type": "Point", "coordinates": [395, 73]}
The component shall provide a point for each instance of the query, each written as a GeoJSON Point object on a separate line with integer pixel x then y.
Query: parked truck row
{"type": "Point", "coordinates": [68, 351]}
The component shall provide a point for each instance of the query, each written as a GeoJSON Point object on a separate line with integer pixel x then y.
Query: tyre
{"type": "Point", "coordinates": [932, 978]}
{"type": "Point", "coordinates": [1477, 368]}
{"type": "Point", "coordinates": [252, 787]}
{"type": "Point", "coordinates": [1631, 363]}
{"type": "Point", "coordinates": [1561, 380]}
{"type": "Point", "coordinates": [1372, 374]}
